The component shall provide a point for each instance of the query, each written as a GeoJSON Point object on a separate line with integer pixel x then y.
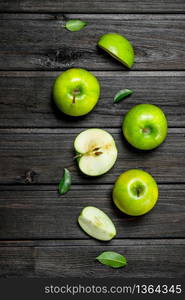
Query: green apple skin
{"type": "Point", "coordinates": [135, 192]}
{"type": "Point", "coordinates": [118, 47]}
{"type": "Point", "coordinates": [76, 92]}
{"type": "Point", "coordinates": [145, 126]}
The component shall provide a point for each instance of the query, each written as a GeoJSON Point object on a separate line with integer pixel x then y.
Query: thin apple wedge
{"type": "Point", "coordinates": [96, 223]}
{"type": "Point", "coordinates": [96, 151]}
{"type": "Point", "coordinates": [118, 47]}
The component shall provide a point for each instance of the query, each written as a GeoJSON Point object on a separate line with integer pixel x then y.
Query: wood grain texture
{"type": "Point", "coordinates": [146, 258]}
{"type": "Point", "coordinates": [39, 156]}
{"type": "Point", "coordinates": [158, 41]}
{"type": "Point", "coordinates": [28, 94]}
{"type": "Point", "coordinates": [39, 212]}
{"type": "Point", "coordinates": [96, 6]}
{"type": "Point", "coordinates": [39, 235]}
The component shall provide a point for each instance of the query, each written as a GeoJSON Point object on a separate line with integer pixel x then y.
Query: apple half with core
{"type": "Point", "coordinates": [135, 192]}
{"type": "Point", "coordinates": [76, 92]}
{"type": "Point", "coordinates": [96, 223]}
{"type": "Point", "coordinates": [145, 126]}
{"type": "Point", "coordinates": [96, 151]}
{"type": "Point", "coordinates": [118, 47]}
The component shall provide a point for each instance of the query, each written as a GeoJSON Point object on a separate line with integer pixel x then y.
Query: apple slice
{"type": "Point", "coordinates": [96, 223]}
{"type": "Point", "coordinates": [118, 47]}
{"type": "Point", "coordinates": [96, 151]}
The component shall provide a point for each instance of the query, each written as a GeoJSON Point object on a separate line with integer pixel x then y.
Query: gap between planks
{"type": "Point", "coordinates": [106, 73]}
{"type": "Point", "coordinates": [87, 242]}
{"type": "Point", "coordinates": [88, 12]}
{"type": "Point", "coordinates": [67, 131]}
{"type": "Point", "coordinates": [59, 16]}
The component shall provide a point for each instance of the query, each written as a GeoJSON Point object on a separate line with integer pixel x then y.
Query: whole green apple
{"type": "Point", "coordinates": [76, 92]}
{"type": "Point", "coordinates": [145, 126]}
{"type": "Point", "coordinates": [118, 47]}
{"type": "Point", "coordinates": [135, 192]}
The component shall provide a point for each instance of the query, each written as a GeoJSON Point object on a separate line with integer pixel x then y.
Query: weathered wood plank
{"type": "Point", "coordinates": [146, 258]}
{"type": "Point", "coordinates": [38, 156]}
{"type": "Point", "coordinates": [40, 213]}
{"type": "Point", "coordinates": [44, 44]}
{"type": "Point", "coordinates": [25, 98]}
{"type": "Point", "coordinates": [97, 6]}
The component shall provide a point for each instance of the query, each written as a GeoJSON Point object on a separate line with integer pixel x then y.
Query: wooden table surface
{"type": "Point", "coordinates": [39, 235]}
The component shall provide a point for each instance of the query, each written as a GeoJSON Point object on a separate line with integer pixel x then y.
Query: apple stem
{"type": "Point", "coordinates": [78, 155]}
{"type": "Point", "coordinates": [146, 130]}
{"type": "Point", "coordinates": [75, 93]}
{"type": "Point", "coordinates": [139, 191]}
{"type": "Point", "coordinates": [74, 98]}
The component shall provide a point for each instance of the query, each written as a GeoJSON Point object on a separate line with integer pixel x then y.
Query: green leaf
{"type": "Point", "coordinates": [65, 182]}
{"type": "Point", "coordinates": [112, 259]}
{"type": "Point", "coordinates": [121, 95]}
{"type": "Point", "coordinates": [75, 25]}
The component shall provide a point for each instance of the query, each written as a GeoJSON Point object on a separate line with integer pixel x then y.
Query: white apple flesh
{"type": "Point", "coordinates": [96, 223]}
{"type": "Point", "coordinates": [96, 151]}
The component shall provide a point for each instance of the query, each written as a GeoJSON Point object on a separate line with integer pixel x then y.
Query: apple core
{"type": "Point", "coordinates": [96, 151]}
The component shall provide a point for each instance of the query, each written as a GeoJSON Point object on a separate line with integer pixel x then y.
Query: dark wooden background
{"type": "Point", "coordinates": [39, 235]}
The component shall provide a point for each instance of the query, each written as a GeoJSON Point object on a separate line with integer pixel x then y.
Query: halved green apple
{"type": "Point", "coordinates": [96, 223]}
{"type": "Point", "coordinates": [96, 151]}
{"type": "Point", "coordinates": [118, 47]}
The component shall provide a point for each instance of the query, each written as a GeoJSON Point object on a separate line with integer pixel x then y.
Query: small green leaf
{"type": "Point", "coordinates": [121, 95]}
{"type": "Point", "coordinates": [65, 182]}
{"type": "Point", "coordinates": [75, 25]}
{"type": "Point", "coordinates": [112, 259]}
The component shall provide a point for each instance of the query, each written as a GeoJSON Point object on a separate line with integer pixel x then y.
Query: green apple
{"type": "Point", "coordinates": [76, 92]}
{"type": "Point", "coordinates": [96, 151]}
{"type": "Point", "coordinates": [135, 192]}
{"type": "Point", "coordinates": [145, 126]}
{"type": "Point", "coordinates": [118, 47]}
{"type": "Point", "coordinates": [96, 223]}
